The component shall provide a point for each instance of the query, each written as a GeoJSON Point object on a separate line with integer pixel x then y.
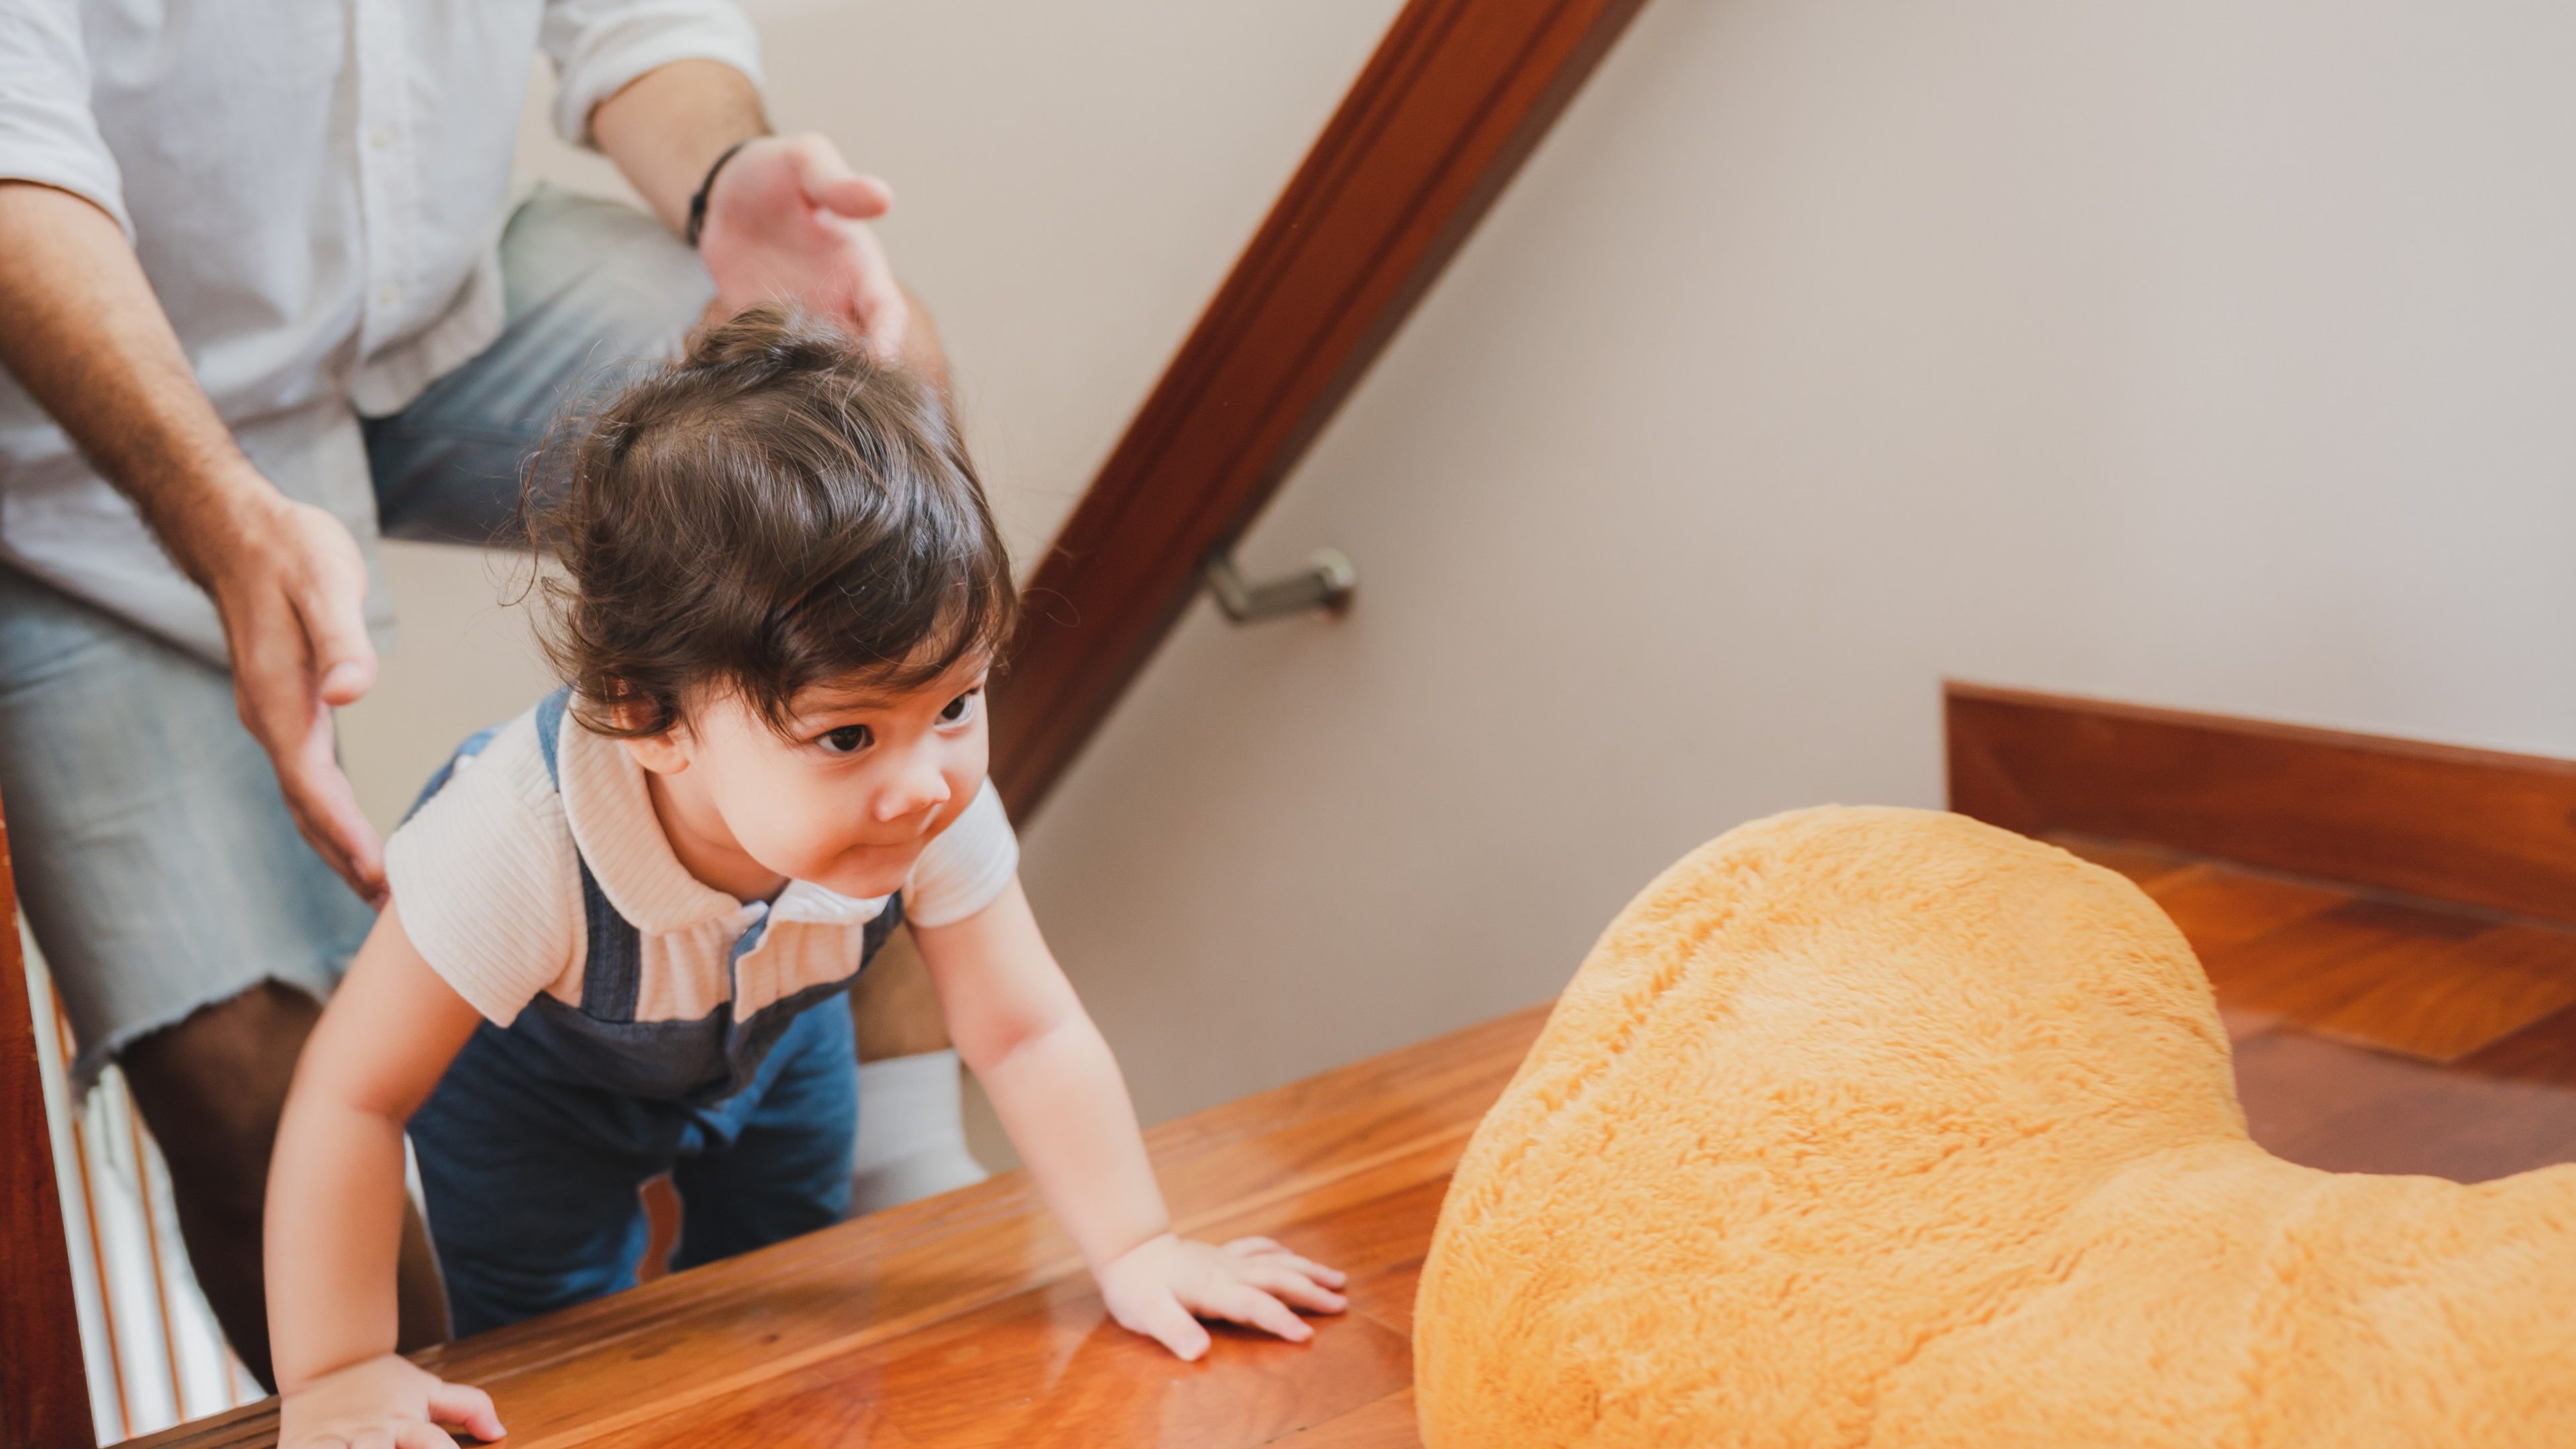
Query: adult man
{"type": "Point", "coordinates": [257, 294]}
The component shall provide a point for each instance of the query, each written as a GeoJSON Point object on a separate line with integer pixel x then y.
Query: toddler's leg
{"type": "Point", "coordinates": [785, 1168]}
{"type": "Point", "coordinates": [532, 1186]}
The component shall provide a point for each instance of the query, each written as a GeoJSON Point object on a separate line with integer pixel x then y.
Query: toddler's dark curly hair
{"type": "Point", "coordinates": [776, 510]}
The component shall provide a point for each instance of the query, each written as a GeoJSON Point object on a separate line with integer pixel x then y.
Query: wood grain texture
{"type": "Point", "coordinates": [2448, 1001]}
{"type": "Point", "coordinates": [1049, 1368]}
{"type": "Point", "coordinates": [44, 1392]}
{"type": "Point", "coordinates": [2374, 1035]}
{"type": "Point", "coordinates": [2345, 1109]}
{"type": "Point", "coordinates": [2401, 975]}
{"type": "Point", "coordinates": [2477, 827]}
{"type": "Point", "coordinates": [2542, 1054]}
{"type": "Point", "coordinates": [1389, 1423]}
{"type": "Point", "coordinates": [965, 1320]}
{"type": "Point", "coordinates": [1452, 101]}
{"type": "Point", "coordinates": [888, 1329]}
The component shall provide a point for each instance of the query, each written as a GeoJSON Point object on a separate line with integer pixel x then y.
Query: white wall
{"type": "Point", "coordinates": [2213, 355]}
{"type": "Point", "coordinates": [1071, 182]}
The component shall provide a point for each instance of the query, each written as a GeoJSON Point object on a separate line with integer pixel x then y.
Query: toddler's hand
{"type": "Point", "coordinates": [1163, 1286]}
{"type": "Point", "coordinates": [376, 1402]}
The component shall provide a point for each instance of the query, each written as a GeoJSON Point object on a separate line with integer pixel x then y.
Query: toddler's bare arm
{"type": "Point", "coordinates": [1052, 1079]}
{"type": "Point", "coordinates": [335, 1201]}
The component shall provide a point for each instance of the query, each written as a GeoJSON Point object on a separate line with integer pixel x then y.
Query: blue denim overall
{"type": "Point", "coordinates": [535, 1142]}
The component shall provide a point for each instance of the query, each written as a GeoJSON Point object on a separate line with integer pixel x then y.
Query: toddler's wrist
{"type": "Point", "coordinates": [1153, 1240]}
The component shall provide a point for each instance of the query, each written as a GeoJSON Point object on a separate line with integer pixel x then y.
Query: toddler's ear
{"type": "Point", "coordinates": [664, 754]}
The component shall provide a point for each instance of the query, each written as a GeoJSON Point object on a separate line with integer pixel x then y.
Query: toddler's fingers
{"type": "Point", "coordinates": [1166, 1322]}
{"type": "Point", "coordinates": [467, 1407]}
{"type": "Point", "coordinates": [1293, 1288]}
{"type": "Point", "coordinates": [423, 1436]}
{"type": "Point", "coordinates": [373, 1439]}
{"type": "Point", "coordinates": [1329, 1277]}
{"type": "Point", "coordinates": [1242, 1303]}
{"type": "Point", "coordinates": [1263, 1250]}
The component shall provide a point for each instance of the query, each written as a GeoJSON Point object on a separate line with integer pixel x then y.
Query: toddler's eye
{"type": "Point", "coordinates": [847, 740]}
{"type": "Point", "coordinates": [960, 709]}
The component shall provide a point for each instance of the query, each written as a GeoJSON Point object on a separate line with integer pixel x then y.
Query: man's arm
{"type": "Point", "coordinates": [89, 341]}
{"type": "Point", "coordinates": [670, 124]}
{"type": "Point", "coordinates": [786, 218]}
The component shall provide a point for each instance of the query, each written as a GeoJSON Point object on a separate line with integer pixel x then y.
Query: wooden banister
{"type": "Point", "coordinates": [44, 1390]}
{"type": "Point", "coordinates": [1456, 96]}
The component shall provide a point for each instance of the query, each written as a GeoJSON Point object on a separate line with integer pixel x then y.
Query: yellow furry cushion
{"type": "Point", "coordinates": [1886, 1127]}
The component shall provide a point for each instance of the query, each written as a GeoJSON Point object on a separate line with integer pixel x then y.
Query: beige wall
{"type": "Point", "coordinates": [2217, 355]}
{"type": "Point", "coordinates": [2209, 354]}
{"type": "Point", "coordinates": [1071, 183]}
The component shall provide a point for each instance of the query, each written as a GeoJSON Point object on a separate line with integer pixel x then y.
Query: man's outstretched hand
{"type": "Point", "coordinates": [787, 219]}
{"type": "Point", "coordinates": [292, 589]}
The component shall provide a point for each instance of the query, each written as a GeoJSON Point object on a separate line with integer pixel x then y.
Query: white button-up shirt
{"type": "Point", "coordinates": [315, 189]}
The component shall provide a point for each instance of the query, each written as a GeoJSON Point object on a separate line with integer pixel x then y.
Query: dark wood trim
{"type": "Point", "coordinates": [44, 1390]}
{"type": "Point", "coordinates": [1457, 95]}
{"type": "Point", "coordinates": [2479, 827]}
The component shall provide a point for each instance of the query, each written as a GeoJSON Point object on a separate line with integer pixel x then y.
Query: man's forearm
{"type": "Point", "coordinates": [670, 124]}
{"type": "Point", "coordinates": [90, 343]}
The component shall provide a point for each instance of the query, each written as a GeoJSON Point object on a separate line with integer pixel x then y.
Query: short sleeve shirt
{"type": "Point", "coordinates": [489, 877]}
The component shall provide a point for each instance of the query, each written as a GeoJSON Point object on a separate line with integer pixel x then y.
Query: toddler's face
{"type": "Point", "coordinates": [849, 796]}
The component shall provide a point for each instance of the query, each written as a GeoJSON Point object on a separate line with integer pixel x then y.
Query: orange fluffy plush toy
{"type": "Point", "coordinates": [1884, 1127]}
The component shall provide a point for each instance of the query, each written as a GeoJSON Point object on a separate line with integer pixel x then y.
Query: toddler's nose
{"type": "Point", "coordinates": [918, 787]}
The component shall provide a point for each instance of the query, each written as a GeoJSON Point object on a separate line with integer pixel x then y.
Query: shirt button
{"type": "Point", "coordinates": [381, 137]}
{"type": "Point", "coordinates": [388, 294]}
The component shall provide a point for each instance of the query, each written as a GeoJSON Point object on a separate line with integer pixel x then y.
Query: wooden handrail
{"type": "Point", "coordinates": [44, 1389]}
{"type": "Point", "coordinates": [1457, 95]}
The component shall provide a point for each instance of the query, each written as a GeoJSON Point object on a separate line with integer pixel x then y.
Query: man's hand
{"type": "Point", "coordinates": [292, 589]}
{"type": "Point", "coordinates": [1163, 1286]}
{"type": "Point", "coordinates": [787, 220]}
{"type": "Point", "coordinates": [387, 1402]}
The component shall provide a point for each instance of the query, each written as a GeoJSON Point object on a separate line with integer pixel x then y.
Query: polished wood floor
{"type": "Point", "coordinates": [2372, 1034]}
{"type": "Point", "coordinates": [2377, 1033]}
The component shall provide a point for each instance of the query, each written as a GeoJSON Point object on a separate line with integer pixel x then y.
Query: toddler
{"type": "Point", "coordinates": [623, 925]}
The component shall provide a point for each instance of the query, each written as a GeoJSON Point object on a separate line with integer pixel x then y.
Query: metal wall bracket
{"type": "Point", "coordinates": [1326, 583]}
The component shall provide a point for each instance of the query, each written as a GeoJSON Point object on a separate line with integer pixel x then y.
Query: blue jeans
{"type": "Point", "coordinates": [155, 860]}
{"type": "Point", "coordinates": [530, 1175]}
{"type": "Point", "coordinates": [595, 293]}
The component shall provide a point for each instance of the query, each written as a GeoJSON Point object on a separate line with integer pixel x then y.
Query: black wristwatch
{"type": "Point", "coordinates": [698, 202]}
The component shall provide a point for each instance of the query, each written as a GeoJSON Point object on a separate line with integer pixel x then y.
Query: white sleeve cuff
{"type": "Point", "coordinates": [972, 862]}
{"type": "Point", "coordinates": [99, 185]}
{"type": "Point", "coordinates": [47, 133]}
{"type": "Point", "coordinates": [600, 47]}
